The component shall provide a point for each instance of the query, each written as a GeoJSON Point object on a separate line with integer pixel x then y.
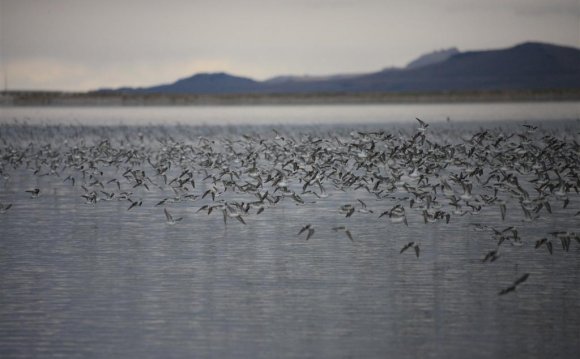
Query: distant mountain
{"type": "Point", "coordinates": [526, 66]}
{"type": "Point", "coordinates": [530, 65]}
{"type": "Point", "coordinates": [212, 83]}
{"type": "Point", "coordinates": [432, 58]}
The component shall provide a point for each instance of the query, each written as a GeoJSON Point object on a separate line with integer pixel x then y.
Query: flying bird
{"type": "Point", "coordinates": [409, 245]}
{"type": "Point", "coordinates": [345, 230]}
{"type": "Point", "coordinates": [513, 287]}
{"type": "Point", "coordinates": [422, 125]}
{"type": "Point", "coordinates": [4, 208]}
{"type": "Point", "coordinates": [308, 228]}
{"type": "Point", "coordinates": [169, 218]}
{"type": "Point", "coordinates": [134, 204]}
{"type": "Point", "coordinates": [33, 192]}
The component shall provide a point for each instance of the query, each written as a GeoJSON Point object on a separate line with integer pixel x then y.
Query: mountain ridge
{"type": "Point", "coordinates": [528, 65]}
{"type": "Point", "coordinates": [432, 58]}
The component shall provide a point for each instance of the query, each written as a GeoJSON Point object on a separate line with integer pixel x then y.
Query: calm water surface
{"type": "Point", "coordinates": [293, 115]}
{"type": "Point", "coordinates": [99, 281]}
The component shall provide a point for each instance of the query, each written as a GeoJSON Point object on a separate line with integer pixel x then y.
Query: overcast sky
{"type": "Point", "coordinates": [88, 44]}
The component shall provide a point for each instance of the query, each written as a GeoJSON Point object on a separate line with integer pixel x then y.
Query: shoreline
{"type": "Point", "coordinates": [66, 99]}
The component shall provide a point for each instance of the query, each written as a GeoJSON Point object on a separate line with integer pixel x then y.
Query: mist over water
{"type": "Point", "coordinates": [91, 278]}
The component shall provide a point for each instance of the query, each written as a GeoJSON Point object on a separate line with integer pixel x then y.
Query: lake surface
{"type": "Point", "coordinates": [293, 115]}
{"type": "Point", "coordinates": [82, 275]}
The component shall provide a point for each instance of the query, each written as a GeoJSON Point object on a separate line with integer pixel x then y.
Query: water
{"type": "Point", "coordinates": [97, 280]}
{"type": "Point", "coordinates": [294, 115]}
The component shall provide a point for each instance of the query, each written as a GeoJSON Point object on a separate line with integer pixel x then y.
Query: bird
{"type": "Point", "coordinates": [71, 179]}
{"type": "Point", "coordinates": [108, 196]}
{"type": "Point", "coordinates": [396, 214]}
{"type": "Point", "coordinates": [422, 125]}
{"type": "Point", "coordinates": [345, 229]}
{"type": "Point", "coordinates": [33, 192]}
{"type": "Point", "coordinates": [349, 212]}
{"type": "Point", "coordinates": [530, 128]}
{"type": "Point", "coordinates": [308, 228]}
{"type": "Point", "coordinates": [310, 233]}
{"type": "Point", "coordinates": [543, 241]}
{"type": "Point", "coordinates": [516, 283]}
{"type": "Point", "coordinates": [503, 210]}
{"type": "Point", "coordinates": [409, 245]}
{"type": "Point", "coordinates": [5, 207]}
{"type": "Point", "coordinates": [492, 256]}
{"type": "Point", "coordinates": [161, 202]}
{"type": "Point", "coordinates": [134, 204]}
{"type": "Point", "coordinates": [522, 279]}
{"type": "Point", "coordinates": [237, 216]}
{"type": "Point", "coordinates": [169, 218]}
{"type": "Point", "coordinates": [504, 291]}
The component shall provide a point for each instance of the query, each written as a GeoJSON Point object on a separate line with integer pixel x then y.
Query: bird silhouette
{"type": "Point", "coordinates": [516, 283]}
{"type": "Point", "coordinates": [169, 218]}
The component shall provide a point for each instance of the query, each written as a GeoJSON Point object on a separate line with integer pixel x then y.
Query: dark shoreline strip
{"type": "Point", "coordinates": [39, 98]}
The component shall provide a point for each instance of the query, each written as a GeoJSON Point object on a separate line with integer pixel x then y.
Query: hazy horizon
{"type": "Point", "coordinates": [82, 45]}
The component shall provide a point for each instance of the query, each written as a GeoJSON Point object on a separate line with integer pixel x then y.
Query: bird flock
{"type": "Point", "coordinates": [408, 177]}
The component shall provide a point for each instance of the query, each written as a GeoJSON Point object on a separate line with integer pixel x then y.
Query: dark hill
{"type": "Point", "coordinates": [526, 66]}
{"type": "Point", "coordinates": [206, 83]}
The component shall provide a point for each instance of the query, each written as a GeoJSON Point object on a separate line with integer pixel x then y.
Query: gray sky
{"type": "Point", "coordinates": [87, 44]}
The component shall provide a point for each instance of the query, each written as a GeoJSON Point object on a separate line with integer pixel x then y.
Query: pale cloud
{"type": "Point", "coordinates": [566, 8]}
{"type": "Point", "coordinates": [40, 73]}
{"type": "Point", "coordinates": [46, 74]}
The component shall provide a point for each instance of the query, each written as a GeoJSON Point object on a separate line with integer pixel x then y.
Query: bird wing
{"type": "Point", "coordinates": [521, 279]}
{"type": "Point", "coordinates": [507, 290]}
{"type": "Point", "coordinates": [168, 215]}
{"type": "Point", "coordinates": [348, 234]}
{"type": "Point", "coordinates": [303, 229]}
{"type": "Point", "coordinates": [406, 246]}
